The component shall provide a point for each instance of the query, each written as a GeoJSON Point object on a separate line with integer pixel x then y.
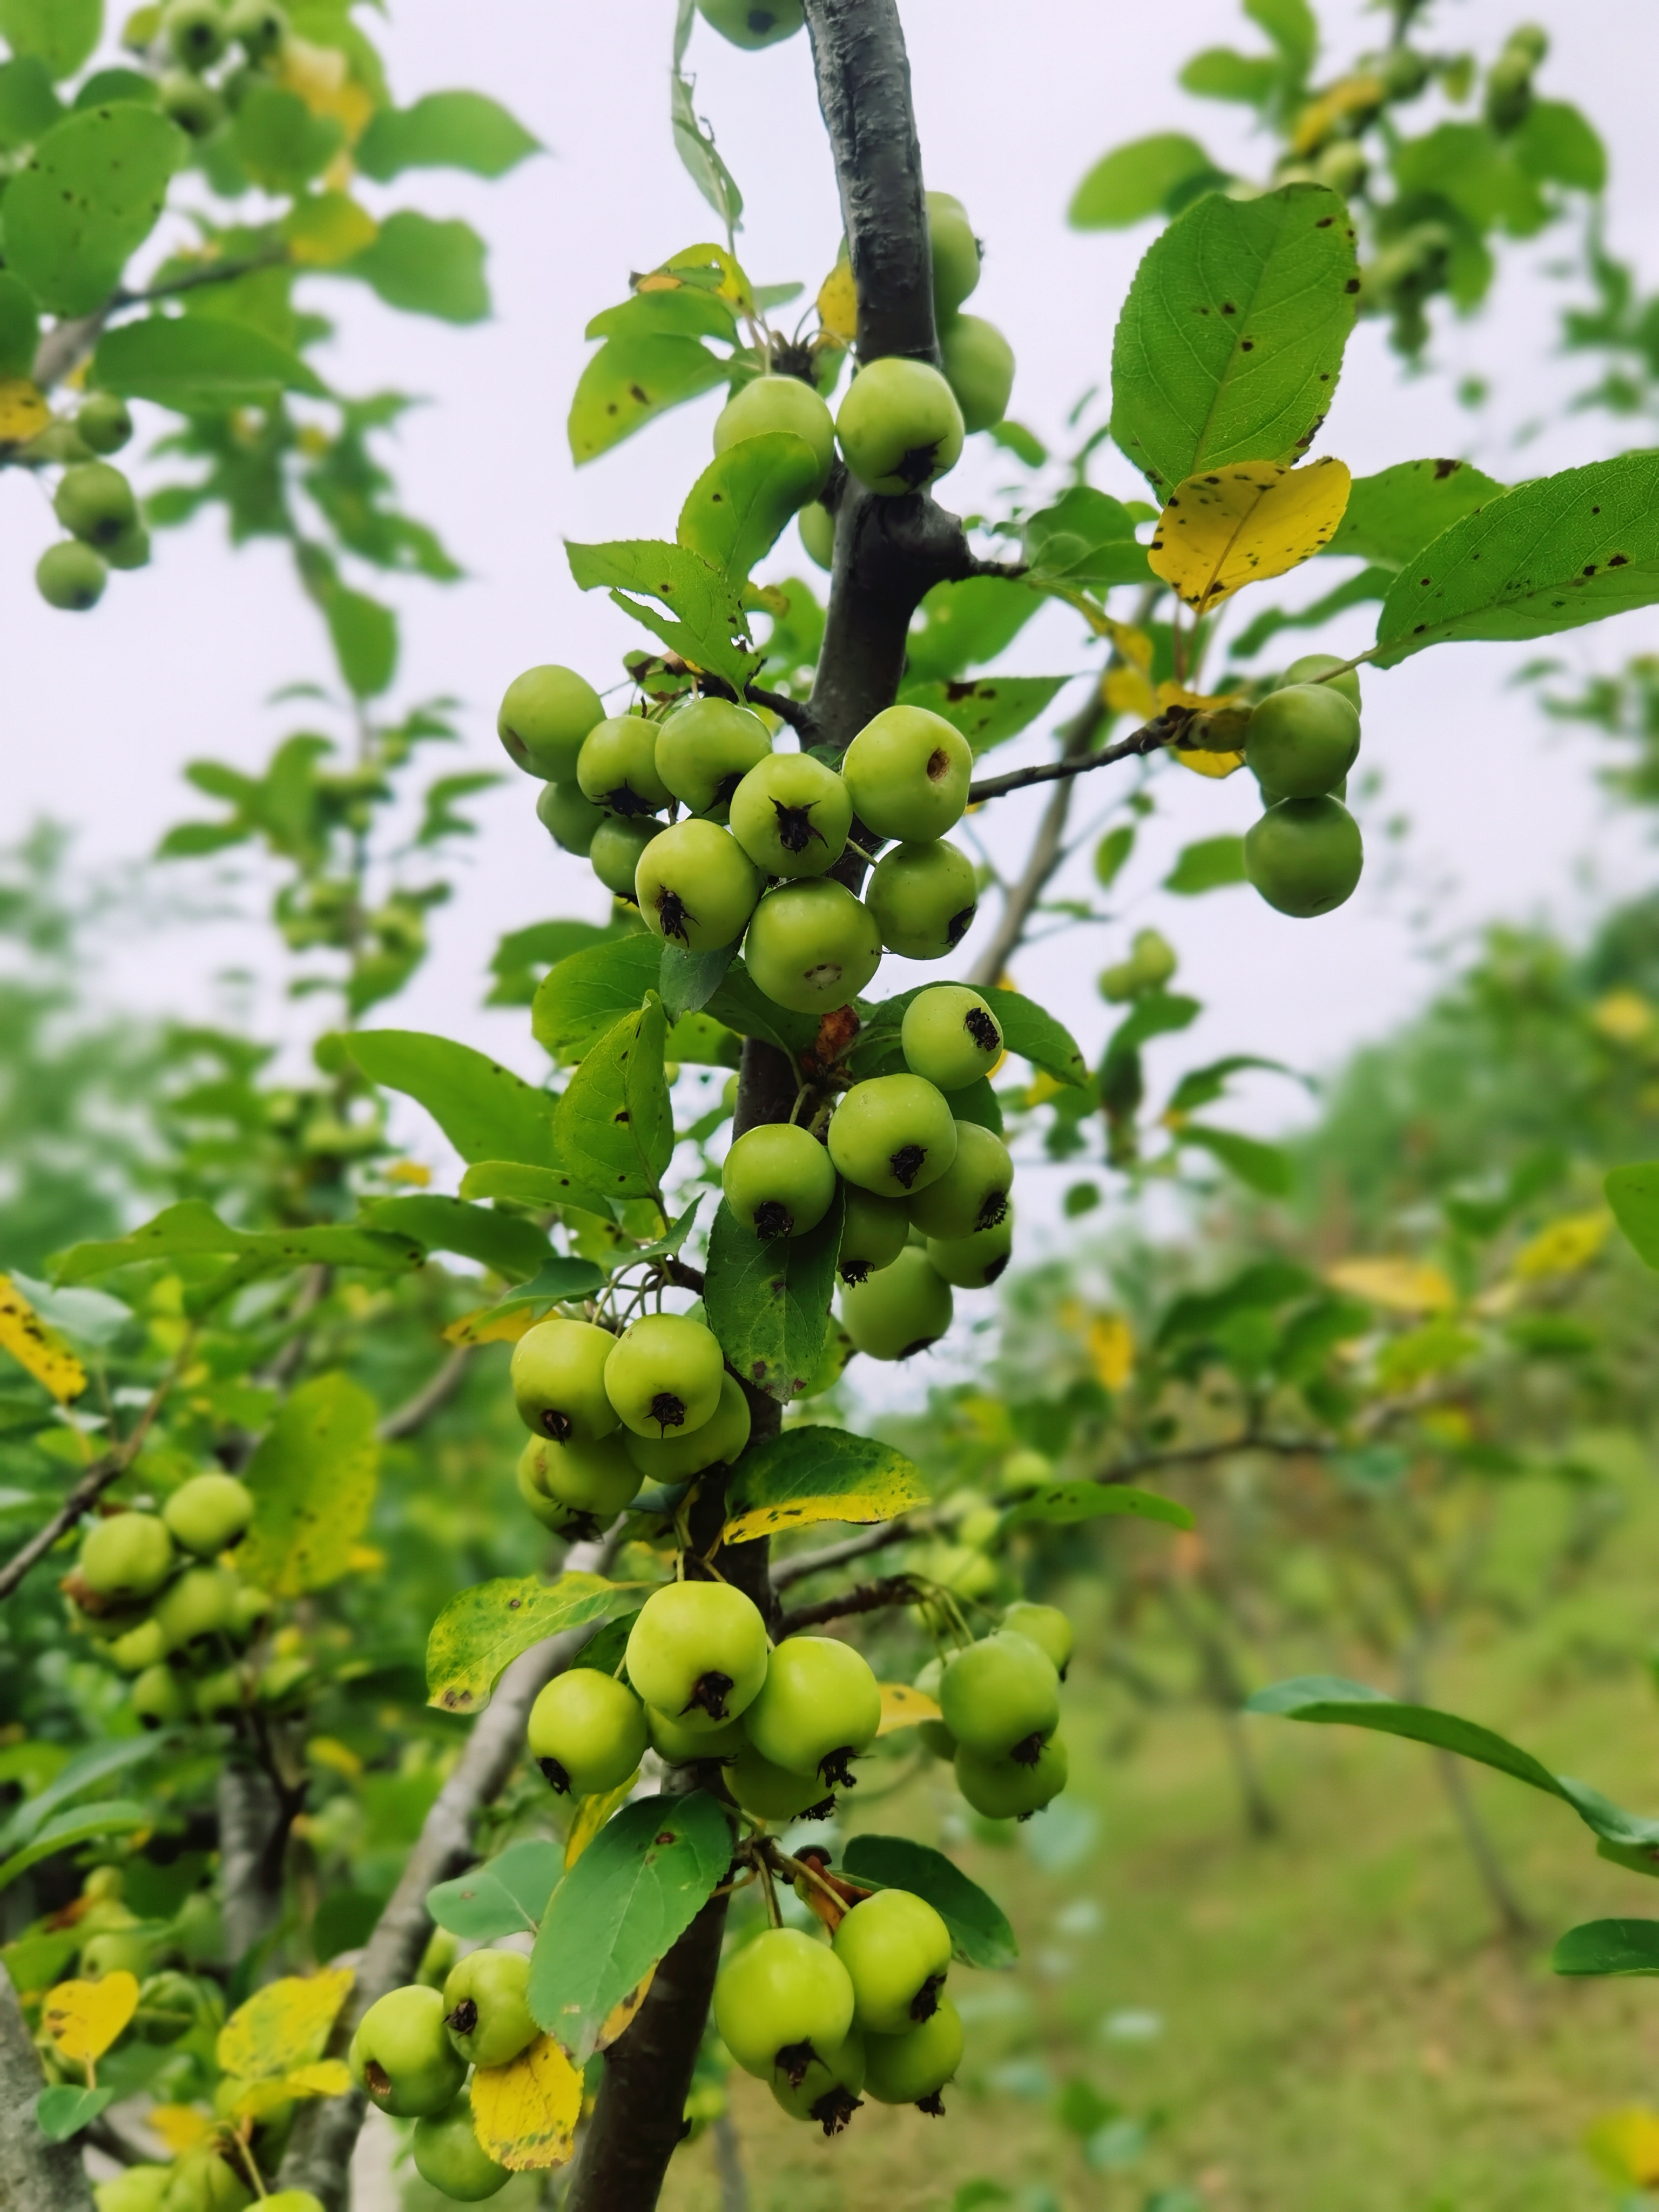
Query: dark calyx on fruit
{"type": "Point", "coordinates": [993, 1209]}
{"type": "Point", "coordinates": [667, 1411]}
{"type": "Point", "coordinates": [673, 913]}
{"type": "Point", "coordinates": [710, 1694]}
{"type": "Point", "coordinates": [907, 1163]}
{"type": "Point", "coordinates": [772, 1219]}
{"type": "Point", "coordinates": [855, 1271]}
{"type": "Point", "coordinates": [835, 2107]}
{"type": "Point", "coordinates": [962, 921]}
{"type": "Point", "coordinates": [932, 2105]}
{"type": "Point", "coordinates": [917, 465]}
{"type": "Point", "coordinates": [1028, 1750]}
{"type": "Point", "coordinates": [834, 1768]}
{"type": "Point", "coordinates": [465, 2018]}
{"type": "Point", "coordinates": [792, 2060]}
{"type": "Point", "coordinates": [823, 1810]}
{"type": "Point", "coordinates": [558, 1425]}
{"type": "Point", "coordinates": [983, 1030]}
{"type": "Point", "coordinates": [795, 827]}
{"type": "Point", "coordinates": [558, 1780]}
{"type": "Point", "coordinates": [925, 2004]}
{"type": "Point", "coordinates": [623, 800]}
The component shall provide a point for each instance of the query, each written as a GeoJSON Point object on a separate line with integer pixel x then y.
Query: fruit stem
{"type": "Point", "coordinates": [253, 2172]}
{"type": "Point", "coordinates": [769, 1891]}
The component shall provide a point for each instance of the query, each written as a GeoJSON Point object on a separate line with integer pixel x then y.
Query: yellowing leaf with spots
{"type": "Point", "coordinates": [1401, 1286]}
{"type": "Point", "coordinates": [322, 77]}
{"type": "Point", "coordinates": [1111, 1350]}
{"type": "Point", "coordinates": [486, 1325]}
{"type": "Point", "coordinates": [38, 1348]}
{"type": "Point", "coordinates": [1131, 644]}
{"type": "Point", "coordinates": [902, 1707]}
{"type": "Point", "coordinates": [525, 2114]}
{"type": "Point", "coordinates": [1626, 2145]}
{"type": "Point", "coordinates": [329, 2077]}
{"type": "Point", "coordinates": [1349, 96]}
{"type": "Point", "coordinates": [1238, 524]}
{"type": "Point", "coordinates": [838, 303]}
{"type": "Point", "coordinates": [621, 2013]}
{"type": "Point", "coordinates": [84, 2017]}
{"type": "Point", "coordinates": [818, 1474]}
{"type": "Point", "coordinates": [23, 411]}
{"type": "Point", "coordinates": [284, 2026]}
{"type": "Point", "coordinates": [592, 1813]}
{"type": "Point", "coordinates": [1564, 1248]}
{"type": "Point", "coordinates": [1212, 743]}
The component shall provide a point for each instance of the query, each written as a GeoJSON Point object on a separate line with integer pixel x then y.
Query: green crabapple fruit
{"type": "Point", "coordinates": [448, 2155]}
{"type": "Point", "coordinates": [219, 1696]}
{"type": "Point", "coordinates": [791, 814]}
{"type": "Point", "coordinates": [979, 367]}
{"type": "Point", "coordinates": [587, 1482]}
{"type": "Point", "coordinates": [617, 767]}
{"type": "Point", "coordinates": [924, 898]}
{"type": "Point", "coordinates": [913, 2069]}
{"type": "Point", "coordinates": [771, 1792]}
{"type": "Point", "coordinates": [907, 772]}
{"type": "Point", "coordinates": [696, 886]}
{"type": "Point", "coordinates": [258, 27]}
{"type": "Point", "coordinates": [195, 32]}
{"type": "Point", "coordinates": [208, 1514]}
{"type": "Point", "coordinates": [94, 502]}
{"type": "Point", "coordinates": [768, 404]}
{"type": "Point", "coordinates": [698, 1650]}
{"type": "Point", "coordinates": [616, 849]}
{"type": "Point", "coordinates": [899, 426]}
{"type": "Point", "coordinates": [402, 2057]}
{"type": "Point", "coordinates": [250, 1611]}
{"type": "Point", "coordinates": [1001, 1697]}
{"type": "Point", "coordinates": [545, 715]}
{"type": "Point", "coordinates": [664, 1373]}
{"type": "Point", "coordinates": [586, 1734]}
{"type": "Point", "coordinates": [812, 946]}
{"type": "Point", "coordinates": [558, 1380]}
{"type": "Point", "coordinates": [70, 577]}
{"type": "Point", "coordinates": [819, 1707]}
{"type": "Point", "coordinates": [934, 1734]}
{"type": "Point", "coordinates": [571, 819]}
{"type": "Point", "coordinates": [829, 2090]}
{"type": "Point", "coordinates": [899, 1312]}
{"type": "Point", "coordinates": [893, 1135]}
{"type": "Point", "coordinates": [132, 550]}
{"type": "Point", "coordinates": [718, 1442]}
{"type": "Point", "coordinates": [139, 1648]}
{"type": "Point", "coordinates": [784, 2000]}
{"type": "Point", "coordinates": [129, 1555]}
{"type": "Point", "coordinates": [778, 1180]}
{"type": "Point", "coordinates": [1317, 668]}
{"type": "Point", "coordinates": [563, 1520]}
{"type": "Point", "coordinates": [103, 420]}
{"type": "Point", "coordinates": [142, 2188]}
{"type": "Point", "coordinates": [1046, 1627]}
{"type": "Point", "coordinates": [203, 2181]}
{"type": "Point", "coordinates": [159, 1698]}
{"type": "Point", "coordinates": [682, 1743]}
{"type": "Point", "coordinates": [897, 1951]}
{"type": "Point", "coordinates": [706, 748]}
{"type": "Point", "coordinates": [116, 1951]}
{"type": "Point", "coordinates": [753, 23]}
{"type": "Point", "coordinates": [1008, 1789]}
{"type": "Point", "coordinates": [972, 1194]}
{"type": "Point", "coordinates": [955, 251]}
{"type": "Point", "coordinates": [1301, 741]}
{"type": "Point", "coordinates": [184, 99]}
{"type": "Point", "coordinates": [817, 526]}
{"type": "Point", "coordinates": [486, 2009]}
{"type": "Point", "coordinates": [873, 1233]}
{"type": "Point", "coordinates": [199, 1605]}
{"type": "Point", "coordinates": [1304, 855]}
{"type": "Point", "coordinates": [950, 1036]}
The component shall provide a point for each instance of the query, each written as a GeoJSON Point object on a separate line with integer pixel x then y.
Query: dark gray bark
{"type": "Point", "coordinates": [252, 1829]}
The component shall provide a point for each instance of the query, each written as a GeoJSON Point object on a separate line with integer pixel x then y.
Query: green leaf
{"type": "Point", "coordinates": [87, 201]}
{"type": "Point", "coordinates": [536, 1187]}
{"type": "Point", "coordinates": [688, 312]}
{"type": "Point", "coordinates": [1369, 584]}
{"type": "Point", "coordinates": [1276, 274]}
{"type": "Point", "coordinates": [521, 952]}
{"type": "Point", "coordinates": [1208, 865]}
{"type": "Point", "coordinates": [979, 1932]}
{"type": "Point", "coordinates": [743, 1007]}
{"type": "Point", "coordinates": [990, 710]}
{"type": "Point", "coordinates": [483, 1630]}
{"type": "Point", "coordinates": [1196, 1314]}
{"type": "Point", "coordinates": [1219, 73]}
{"type": "Point", "coordinates": [1201, 1085]}
{"type": "Point", "coordinates": [705, 609]}
{"type": "Point", "coordinates": [20, 327]}
{"type": "Point", "coordinates": [1142, 178]}
{"type": "Point", "coordinates": [192, 1230]}
{"type": "Point", "coordinates": [1468, 165]}
{"type": "Point", "coordinates": [1084, 538]}
{"type": "Point", "coordinates": [113, 1816]}
{"type": "Point", "coordinates": [1264, 1168]}
{"type": "Point", "coordinates": [1633, 1194]}
{"type": "Point", "coordinates": [28, 105]}
{"type": "Point", "coordinates": [426, 268]}
{"type": "Point", "coordinates": [768, 1302]}
{"type": "Point", "coordinates": [1060, 1503]}
{"type": "Point", "coordinates": [586, 993]}
{"type": "Point", "coordinates": [312, 1479]}
{"type": "Point", "coordinates": [558, 1280]}
{"type": "Point", "coordinates": [445, 130]}
{"type": "Point", "coordinates": [505, 1896]}
{"type": "Point", "coordinates": [1294, 29]}
{"type": "Point", "coordinates": [813, 1473]}
{"type": "Point", "coordinates": [486, 1112]}
{"type": "Point", "coordinates": [1558, 146]}
{"type": "Point", "coordinates": [84, 1772]}
{"type": "Point", "coordinates": [1392, 515]}
{"type": "Point", "coordinates": [60, 33]}
{"type": "Point", "coordinates": [1608, 1946]}
{"type": "Point", "coordinates": [634, 1891]}
{"type": "Point", "coordinates": [688, 980]}
{"type": "Point", "coordinates": [281, 143]}
{"type": "Point", "coordinates": [736, 511]}
{"type": "Point", "coordinates": [364, 636]}
{"type": "Point", "coordinates": [977, 1101]}
{"type": "Point", "coordinates": [505, 1242]}
{"type": "Point", "coordinates": [694, 144]}
{"type": "Point", "coordinates": [62, 2111]}
{"type": "Point", "coordinates": [704, 1042]}
{"type": "Point", "coordinates": [615, 1124]}
{"type": "Point", "coordinates": [1113, 850]}
{"type": "Point", "coordinates": [1159, 1013]}
{"type": "Point", "coordinates": [630, 380]}
{"type": "Point", "coordinates": [1548, 556]}
{"type": "Point", "coordinates": [962, 626]}
{"type": "Point", "coordinates": [199, 365]}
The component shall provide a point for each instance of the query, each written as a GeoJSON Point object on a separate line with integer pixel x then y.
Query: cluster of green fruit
{"type": "Point", "coordinates": [998, 1700]}
{"type": "Point", "coordinates": [94, 502]}
{"type": "Point", "coordinates": [206, 2179]}
{"type": "Point", "coordinates": [1304, 855]}
{"type": "Point", "coordinates": [191, 36]}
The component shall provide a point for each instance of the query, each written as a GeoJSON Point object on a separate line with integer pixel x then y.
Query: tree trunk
{"type": "Point", "coordinates": [249, 1868]}
{"type": "Point", "coordinates": [35, 2176]}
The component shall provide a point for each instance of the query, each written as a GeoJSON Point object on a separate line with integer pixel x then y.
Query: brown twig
{"type": "Point", "coordinates": [795, 1570]}
{"type": "Point", "coordinates": [414, 1412]}
{"type": "Point", "coordinates": [1163, 729]}
{"type": "Point", "coordinates": [865, 1597]}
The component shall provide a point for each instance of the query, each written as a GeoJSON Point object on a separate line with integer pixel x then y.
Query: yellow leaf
{"type": "Point", "coordinates": [38, 1348]}
{"type": "Point", "coordinates": [592, 1813]}
{"type": "Point", "coordinates": [622, 2013]}
{"type": "Point", "coordinates": [84, 2017]}
{"type": "Point", "coordinates": [525, 2114]}
{"type": "Point", "coordinates": [1623, 1016]}
{"type": "Point", "coordinates": [1352, 95]}
{"type": "Point", "coordinates": [23, 411]}
{"type": "Point", "coordinates": [322, 232]}
{"type": "Point", "coordinates": [409, 1171]}
{"type": "Point", "coordinates": [1042, 1088]}
{"type": "Point", "coordinates": [181, 2127]}
{"type": "Point", "coordinates": [328, 1751]}
{"type": "Point", "coordinates": [1126, 692]}
{"type": "Point", "coordinates": [1111, 1350]}
{"type": "Point", "coordinates": [838, 303]}
{"type": "Point", "coordinates": [329, 2077]}
{"type": "Point", "coordinates": [733, 284]}
{"type": "Point", "coordinates": [365, 1559]}
{"type": "Point", "coordinates": [283, 2025]}
{"type": "Point", "coordinates": [477, 1328]}
{"type": "Point", "coordinates": [1207, 744]}
{"type": "Point", "coordinates": [322, 77]}
{"type": "Point", "coordinates": [1564, 1248]}
{"type": "Point", "coordinates": [1131, 644]}
{"type": "Point", "coordinates": [903, 1707]}
{"type": "Point", "coordinates": [1402, 1286]}
{"type": "Point", "coordinates": [1626, 2145]}
{"type": "Point", "coordinates": [1241, 524]}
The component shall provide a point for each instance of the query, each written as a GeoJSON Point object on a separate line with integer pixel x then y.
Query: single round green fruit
{"type": "Point", "coordinates": [220, 1696]}
{"type": "Point", "coordinates": [784, 2000]}
{"type": "Point", "coordinates": [778, 1180]}
{"type": "Point", "coordinates": [486, 2007]}
{"type": "Point", "coordinates": [208, 1514]}
{"type": "Point", "coordinates": [131, 551]}
{"type": "Point", "coordinates": [1301, 741]}
{"type": "Point", "coordinates": [696, 887]}
{"type": "Point", "coordinates": [924, 898]}
{"type": "Point", "coordinates": [258, 27]}
{"type": "Point", "coordinates": [126, 1556]}
{"type": "Point", "coordinates": [70, 577]}
{"type": "Point", "coordinates": [137, 2189]}
{"type": "Point", "coordinates": [899, 1312]}
{"type": "Point", "coordinates": [545, 716]}
{"type": "Point", "coordinates": [577, 1488]}
{"type": "Point", "coordinates": [115, 1951]}
{"type": "Point", "coordinates": [1046, 1627]}
{"type": "Point", "coordinates": [448, 2155]}
{"type": "Point", "coordinates": [1022, 1472]}
{"type": "Point", "coordinates": [829, 2090]}
{"type": "Point", "coordinates": [586, 1734]}
{"type": "Point", "coordinates": [817, 526]}
{"type": "Point", "coordinates": [195, 32]}
{"type": "Point", "coordinates": [706, 748]}
{"type": "Point", "coordinates": [956, 255]}
{"type": "Point", "coordinates": [174, 2004]}
{"type": "Point", "coordinates": [972, 1194]}
{"type": "Point", "coordinates": [718, 1442]}
{"type": "Point", "coordinates": [753, 23]}
{"type": "Point", "coordinates": [683, 1743]}
{"type": "Point", "coordinates": [558, 1380]}
{"type": "Point", "coordinates": [791, 814]}
{"type": "Point", "coordinates": [774, 1793]}
{"type": "Point", "coordinates": [1304, 855]}
{"type": "Point", "coordinates": [900, 427]}
{"type": "Point", "coordinates": [94, 502]}
{"type": "Point", "coordinates": [617, 767]}
{"type": "Point", "coordinates": [913, 2069]}
{"type": "Point", "coordinates": [664, 1373]}
{"type": "Point", "coordinates": [139, 1648]}
{"type": "Point", "coordinates": [812, 946]}
{"type": "Point", "coordinates": [872, 1234]}
{"type": "Point", "coordinates": [897, 1952]}
{"type": "Point", "coordinates": [935, 1736]}
{"type": "Point", "coordinates": [572, 820]}
{"type": "Point", "coordinates": [770, 403]}
{"type": "Point", "coordinates": [907, 772]}
{"type": "Point", "coordinates": [697, 1652]}
{"type": "Point", "coordinates": [616, 850]}
{"type": "Point", "coordinates": [979, 367]}
{"type": "Point", "coordinates": [184, 99]}
{"type": "Point", "coordinates": [1007, 1789]}
{"type": "Point", "coordinates": [1001, 1699]}
{"type": "Point", "coordinates": [950, 1036]}
{"type": "Point", "coordinates": [104, 421]}
{"type": "Point", "coordinates": [893, 1135]}
{"type": "Point", "coordinates": [821, 1707]}
{"type": "Point", "coordinates": [1316, 667]}
{"type": "Point", "coordinates": [401, 2056]}
{"type": "Point", "coordinates": [203, 2181]}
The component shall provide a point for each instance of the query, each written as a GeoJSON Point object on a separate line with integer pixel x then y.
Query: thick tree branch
{"type": "Point", "coordinates": [795, 712]}
{"type": "Point", "coordinates": [866, 1597]}
{"type": "Point", "coordinates": [35, 2176]}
